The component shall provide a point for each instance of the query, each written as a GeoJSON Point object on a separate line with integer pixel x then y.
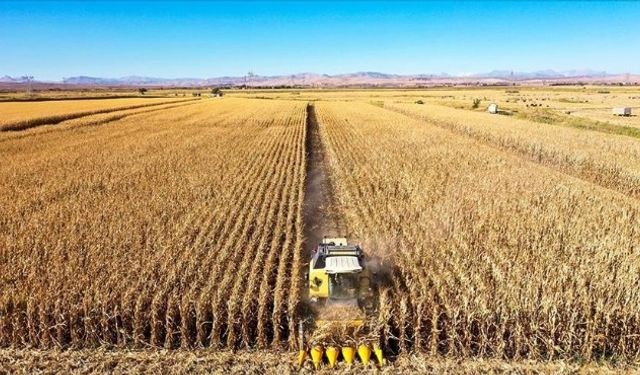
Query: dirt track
{"type": "Point", "coordinates": [320, 207]}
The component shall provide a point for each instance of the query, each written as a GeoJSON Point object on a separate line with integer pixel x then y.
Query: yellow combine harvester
{"type": "Point", "coordinates": [341, 290]}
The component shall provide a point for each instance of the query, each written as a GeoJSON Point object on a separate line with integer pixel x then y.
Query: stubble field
{"type": "Point", "coordinates": [178, 225]}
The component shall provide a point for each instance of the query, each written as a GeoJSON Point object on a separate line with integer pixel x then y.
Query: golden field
{"type": "Point", "coordinates": [556, 104]}
{"type": "Point", "coordinates": [609, 160]}
{"type": "Point", "coordinates": [24, 115]}
{"type": "Point", "coordinates": [128, 229]}
{"type": "Point", "coordinates": [140, 225]}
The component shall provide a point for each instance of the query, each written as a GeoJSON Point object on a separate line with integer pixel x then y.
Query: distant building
{"type": "Point", "coordinates": [622, 111]}
{"type": "Point", "coordinates": [493, 108]}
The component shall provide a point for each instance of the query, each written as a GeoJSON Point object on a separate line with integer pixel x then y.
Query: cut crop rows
{"type": "Point", "coordinates": [21, 116]}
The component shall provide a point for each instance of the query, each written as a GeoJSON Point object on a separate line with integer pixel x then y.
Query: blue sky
{"type": "Point", "coordinates": [51, 40]}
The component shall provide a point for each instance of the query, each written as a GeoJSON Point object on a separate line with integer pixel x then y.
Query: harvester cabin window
{"type": "Point", "coordinates": [343, 286]}
{"type": "Point", "coordinates": [320, 263]}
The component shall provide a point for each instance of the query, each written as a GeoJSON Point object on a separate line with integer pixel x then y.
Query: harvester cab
{"type": "Point", "coordinates": [341, 289]}
{"type": "Point", "coordinates": [338, 275]}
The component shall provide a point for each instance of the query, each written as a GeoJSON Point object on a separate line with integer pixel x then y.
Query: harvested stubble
{"type": "Point", "coordinates": [493, 255]}
{"type": "Point", "coordinates": [164, 229]}
{"type": "Point", "coordinates": [226, 362]}
{"type": "Point", "coordinates": [25, 115]}
{"type": "Point", "coordinates": [91, 120]}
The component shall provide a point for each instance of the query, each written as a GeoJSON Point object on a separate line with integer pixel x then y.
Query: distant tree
{"type": "Point", "coordinates": [142, 90]}
{"type": "Point", "coordinates": [476, 103]}
{"type": "Point", "coordinates": [216, 91]}
{"type": "Point", "coordinates": [419, 101]}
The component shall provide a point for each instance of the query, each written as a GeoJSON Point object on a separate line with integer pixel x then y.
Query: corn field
{"type": "Point", "coordinates": [179, 225]}
{"type": "Point", "coordinates": [492, 255]}
{"type": "Point", "coordinates": [170, 229]}
{"type": "Point", "coordinates": [607, 160]}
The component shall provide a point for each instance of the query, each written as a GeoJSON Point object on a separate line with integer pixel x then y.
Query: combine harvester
{"type": "Point", "coordinates": [343, 295]}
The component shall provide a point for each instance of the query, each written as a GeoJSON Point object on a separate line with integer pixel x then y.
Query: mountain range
{"type": "Point", "coordinates": [350, 79]}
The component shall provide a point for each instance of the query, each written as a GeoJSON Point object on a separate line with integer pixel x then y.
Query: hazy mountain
{"type": "Point", "coordinates": [584, 73]}
{"type": "Point", "coordinates": [352, 79]}
{"type": "Point", "coordinates": [540, 74]}
{"type": "Point", "coordinates": [9, 79]}
{"type": "Point", "coordinates": [84, 80]}
{"type": "Point", "coordinates": [129, 80]}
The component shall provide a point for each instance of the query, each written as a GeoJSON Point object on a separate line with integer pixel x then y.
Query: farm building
{"type": "Point", "coordinates": [622, 111]}
{"type": "Point", "coordinates": [493, 108]}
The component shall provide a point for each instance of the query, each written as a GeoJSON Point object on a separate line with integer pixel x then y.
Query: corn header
{"type": "Point", "coordinates": [342, 294]}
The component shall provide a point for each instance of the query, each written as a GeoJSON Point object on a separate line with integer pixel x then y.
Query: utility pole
{"type": "Point", "coordinates": [250, 75]}
{"type": "Point", "coordinates": [28, 80]}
